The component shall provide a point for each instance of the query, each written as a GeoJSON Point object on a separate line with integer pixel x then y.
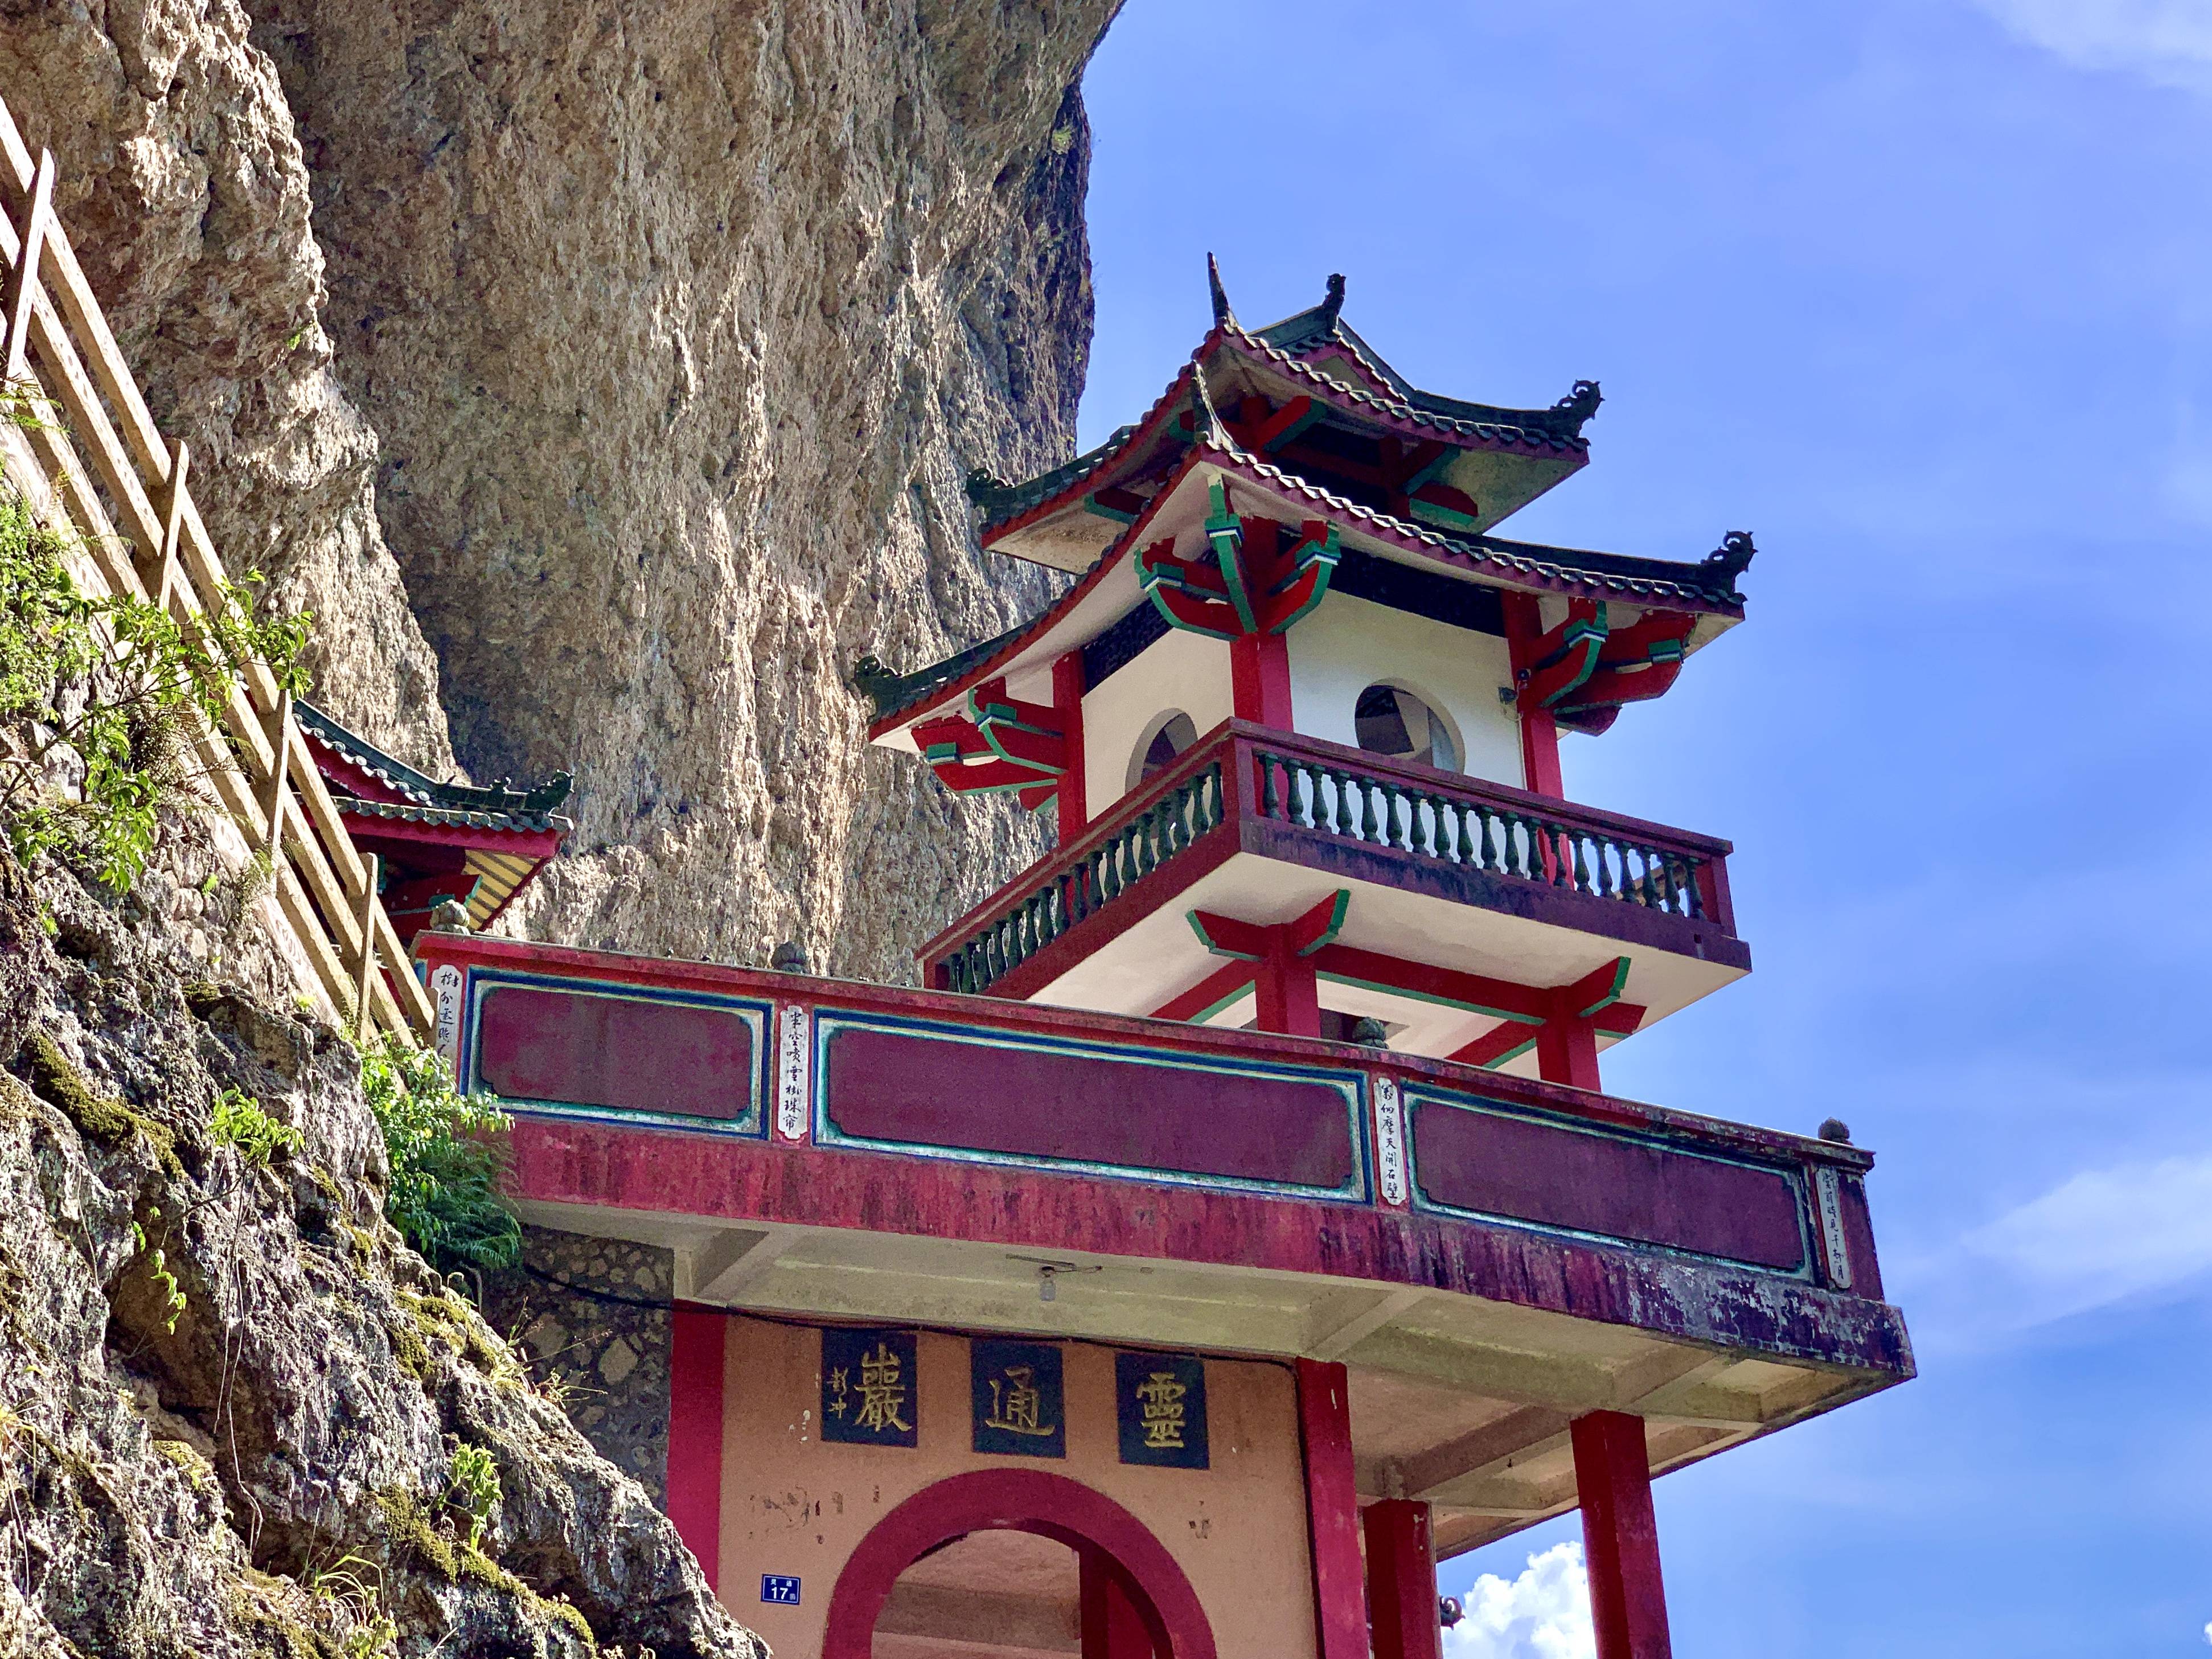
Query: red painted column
{"type": "Point", "coordinates": [1540, 733]}
{"type": "Point", "coordinates": [1566, 1052]}
{"type": "Point", "coordinates": [695, 1435]}
{"type": "Point", "coordinates": [1332, 1510]}
{"type": "Point", "coordinates": [1112, 1626]}
{"type": "Point", "coordinates": [1260, 680]}
{"type": "Point", "coordinates": [1401, 1582]}
{"type": "Point", "coordinates": [1067, 702]}
{"type": "Point", "coordinates": [1289, 992]}
{"type": "Point", "coordinates": [1620, 1539]}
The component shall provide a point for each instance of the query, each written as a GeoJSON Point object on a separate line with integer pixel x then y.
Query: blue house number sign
{"type": "Point", "coordinates": [780, 1589]}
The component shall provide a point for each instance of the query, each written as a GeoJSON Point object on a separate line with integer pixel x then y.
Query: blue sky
{"type": "Point", "coordinates": [1919, 291]}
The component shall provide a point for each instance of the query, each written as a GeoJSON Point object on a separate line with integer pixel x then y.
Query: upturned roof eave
{"type": "Point", "coordinates": [1531, 432]}
{"type": "Point", "coordinates": [1487, 560]}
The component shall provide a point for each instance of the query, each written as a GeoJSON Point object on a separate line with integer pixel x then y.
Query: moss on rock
{"type": "Point", "coordinates": [110, 1122]}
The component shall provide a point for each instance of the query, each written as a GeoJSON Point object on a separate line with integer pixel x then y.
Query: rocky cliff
{"type": "Point", "coordinates": [604, 376]}
{"type": "Point", "coordinates": [233, 1404]}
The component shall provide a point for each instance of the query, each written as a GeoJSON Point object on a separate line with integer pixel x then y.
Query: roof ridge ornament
{"type": "Point", "coordinates": [1223, 316]}
{"type": "Point", "coordinates": [1332, 305]}
{"type": "Point", "coordinates": [1578, 405]}
{"type": "Point", "coordinates": [1205, 423]}
{"type": "Point", "coordinates": [1726, 563]}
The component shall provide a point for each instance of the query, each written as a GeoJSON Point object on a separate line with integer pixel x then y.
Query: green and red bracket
{"type": "Point", "coordinates": [1247, 583]}
{"type": "Point", "coordinates": [1582, 672]}
{"type": "Point", "coordinates": [1002, 744]}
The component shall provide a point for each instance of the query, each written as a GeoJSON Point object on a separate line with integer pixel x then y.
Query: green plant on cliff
{"type": "Point", "coordinates": [101, 694]}
{"type": "Point", "coordinates": [444, 1196]}
{"type": "Point", "coordinates": [239, 1121]}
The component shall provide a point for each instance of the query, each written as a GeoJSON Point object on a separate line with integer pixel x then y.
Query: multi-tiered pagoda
{"type": "Point", "coordinates": [1236, 1224]}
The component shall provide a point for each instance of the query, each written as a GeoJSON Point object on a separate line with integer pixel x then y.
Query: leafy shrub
{"type": "Point", "coordinates": [444, 1196]}
{"type": "Point", "coordinates": [239, 1121]}
{"type": "Point", "coordinates": [110, 688]}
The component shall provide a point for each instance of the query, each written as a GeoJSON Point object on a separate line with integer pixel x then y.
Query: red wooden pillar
{"type": "Point", "coordinates": [1401, 1582]}
{"type": "Point", "coordinates": [1112, 1626]}
{"type": "Point", "coordinates": [1332, 1510]}
{"type": "Point", "coordinates": [1620, 1539]}
{"type": "Point", "coordinates": [1566, 1052]}
{"type": "Point", "coordinates": [1540, 733]}
{"type": "Point", "coordinates": [1260, 680]}
{"type": "Point", "coordinates": [1289, 991]}
{"type": "Point", "coordinates": [1067, 702]}
{"type": "Point", "coordinates": [695, 1435]}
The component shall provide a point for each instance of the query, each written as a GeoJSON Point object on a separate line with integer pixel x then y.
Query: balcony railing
{"type": "Point", "coordinates": [1299, 798]}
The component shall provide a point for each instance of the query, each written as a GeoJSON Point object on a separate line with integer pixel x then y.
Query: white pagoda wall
{"type": "Point", "coordinates": [1347, 645]}
{"type": "Point", "coordinates": [1179, 670]}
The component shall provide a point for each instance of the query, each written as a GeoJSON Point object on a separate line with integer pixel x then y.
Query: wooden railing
{"type": "Point", "coordinates": [1464, 822]}
{"type": "Point", "coordinates": [122, 504]}
{"type": "Point", "coordinates": [1250, 783]}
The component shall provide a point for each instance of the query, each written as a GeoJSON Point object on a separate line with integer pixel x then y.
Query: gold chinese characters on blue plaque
{"type": "Point", "coordinates": [1016, 1400]}
{"type": "Point", "coordinates": [1159, 1408]}
{"type": "Point", "coordinates": [868, 1387]}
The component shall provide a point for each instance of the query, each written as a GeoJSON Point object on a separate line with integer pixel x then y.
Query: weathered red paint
{"type": "Point", "coordinates": [1332, 1510]}
{"type": "Point", "coordinates": [1620, 1539]}
{"type": "Point", "coordinates": [559, 1161]}
{"type": "Point", "coordinates": [695, 1435]}
{"type": "Point", "coordinates": [1566, 1052]}
{"type": "Point", "coordinates": [936, 1089]}
{"type": "Point", "coordinates": [1401, 1581]}
{"type": "Point", "coordinates": [1018, 1500]}
{"type": "Point", "coordinates": [1609, 1185]}
{"type": "Point", "coordinates": [543, 1042]}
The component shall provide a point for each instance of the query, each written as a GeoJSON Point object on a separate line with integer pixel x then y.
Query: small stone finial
{"type": "Point", "coordinates": [1835, 1129]}
{"type": "Point", "coordinates": [449, 916]}
{"type": "Point", "coordinates": [1204, 423]}
{"type": "Point", "coordinates": [1331, 307]}
{"type": "Point", "coordinates": [981, 482]}
{"type": "Point", "coordinates": [1223, 316]}
{"type": "Point", "coordinates": [789, 958]}
{"type": "Point", "coordinates": [1369, 1032]}
{"type": "Point", "coordinates": [1727, 563]}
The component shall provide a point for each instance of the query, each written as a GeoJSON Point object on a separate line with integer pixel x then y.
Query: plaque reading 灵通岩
{"type": "Point", "coordinates": [868, 1387]}
{"type": "Point", "coordinates": [1159, 1407]}
{"type": "Point", "coordinates": [1016, 1399]}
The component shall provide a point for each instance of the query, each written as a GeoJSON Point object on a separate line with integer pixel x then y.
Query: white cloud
{"type": "Point", "coordinates": [2168, 41]}
{"type": "Point", "coordinates": [1542, 1615]}
{"type": "Point", "coordinates": [2100, 1238]}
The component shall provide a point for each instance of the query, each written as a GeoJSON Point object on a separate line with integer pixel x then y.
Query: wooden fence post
{"type": "Point", "coordinates": [23, 280]}
{"type": "Point", "coordinates": [366, 918]}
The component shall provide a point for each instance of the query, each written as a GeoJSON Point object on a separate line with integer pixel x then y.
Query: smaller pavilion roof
{"type": "Point", "coordinates": [415, 798]}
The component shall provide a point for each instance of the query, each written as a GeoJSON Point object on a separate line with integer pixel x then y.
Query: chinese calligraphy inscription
{"type": "Point", "coordinates": [790, 1077]}
{"type": "Point", "coordinates": [1390, 1140]}
{"type": "Point", "coordinates": [868, 1387]}
{"type": "Point", "coordinates": [1159, 1406]}
{"type": "Point", "coordinates": [1016, 1399]}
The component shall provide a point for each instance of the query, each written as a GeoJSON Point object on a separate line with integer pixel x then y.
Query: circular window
{"type": "Point", "coordinates": [1393, 721]}
{"type": "Point", "coordinates": [1169, 735]}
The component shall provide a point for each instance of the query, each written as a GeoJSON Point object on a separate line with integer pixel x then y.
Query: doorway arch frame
{"type": "Point", "coordinates": [1015, 1500]}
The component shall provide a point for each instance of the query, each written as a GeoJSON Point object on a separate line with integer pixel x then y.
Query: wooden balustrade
{"type": "Point", "coordinates": [125, 507]}
{"type": "Point", "coordinates": [1242, 775]}
{"type": "Point", "coordinates": [1454, 823]}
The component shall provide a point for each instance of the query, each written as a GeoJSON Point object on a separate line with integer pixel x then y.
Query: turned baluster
{"type": "Point", "coordinates": [1267, 786]}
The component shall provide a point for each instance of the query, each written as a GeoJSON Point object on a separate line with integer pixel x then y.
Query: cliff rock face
{"type": "Point", "coordinates": [631, 356]}
{"type": "Point", "coordinates": [680, 322]}
{"type": "Point", "coordinates": [230, 1399]}
{"type": "Point", "coordinates": [181, 184]}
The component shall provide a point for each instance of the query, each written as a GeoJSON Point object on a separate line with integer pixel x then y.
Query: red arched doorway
{"type": "Point", "coordinates": [1021, 1500]}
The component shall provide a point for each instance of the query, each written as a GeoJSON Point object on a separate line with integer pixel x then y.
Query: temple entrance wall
{"type": "Point", "coordinates": [797, 1507]}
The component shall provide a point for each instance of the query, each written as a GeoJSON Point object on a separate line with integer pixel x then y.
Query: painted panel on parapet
{"type": "Point", "coordinates": [944, 1090]}
{"type": "Point", "coordinates": [676, 1057]}
{"type": "Point", "coordinates": [1484, 1161]}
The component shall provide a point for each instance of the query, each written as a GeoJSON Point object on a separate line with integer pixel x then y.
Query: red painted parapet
{"type": "Point", "coordinates": [1300, 801]}
{"type": "Point", "coordinates": [739, 1094]}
